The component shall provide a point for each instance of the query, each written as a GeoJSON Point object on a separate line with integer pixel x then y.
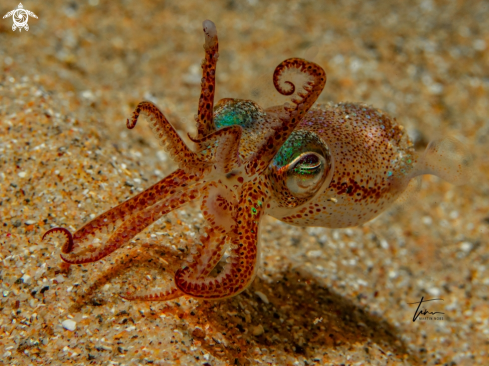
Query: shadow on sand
{"type": "Point", "coordinates": [301, 318]}
{"type": "Point", "coordinates": [298, 317]}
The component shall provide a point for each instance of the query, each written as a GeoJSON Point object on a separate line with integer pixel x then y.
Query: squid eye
{"type": "Point", "coordinates": [305, 174]}
{"type": "Point", "coordinates": [302, 166]}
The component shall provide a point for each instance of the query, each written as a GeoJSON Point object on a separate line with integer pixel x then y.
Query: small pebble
{"type": "Point", "coordinates": [26, 278]}
{"type": "Point", "coordinates": [314, 254]}
{"type": "Point", "coordinates": [434, 291]}
{"type": "Point", "coordinates": [60, 278]}
{"type": "Point", "coordinates": [198, 333]}
{"type": "Point", "coordinates": [466, 246]}
{"type": "Point", "coordinates": [69, 324]}
{"type": "Point", "coordinates": [258, 330]}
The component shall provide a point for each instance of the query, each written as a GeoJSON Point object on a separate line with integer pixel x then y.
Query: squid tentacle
{"type": "Point", "coordinates": [205, 127]}
{"type": "Point", "coordinates": [205, 116]}
{"type": "Point", "coordinates": [209, 254]}
{"type": "Point", "coordinates": [291, 115]}
{"type": "Point", "coordinates": [230, 220]}
{"type": "Point", "coordinates": [161, 190]}
{"type": "Point", "coordinates": [68, 244]}
{"type": "Point", "coordinates": [160, 295]}
{"type": "Point", "coordinates": [227, 154]}
{"type": "Point", "coordinates": [135, 224]}
{"type": "Point", "coordinates": [218, 208]}
{"type": "Point", "coordinates": [169, 138]}
{"type": "Point", "coordinates": [240, 271]}
{"type": "Point", "coordinates": [120, 213]}
{"type": "Point", "coordinates": [138, 254]}
{"type": "Point", "coordinates": [226, 157]}
{"type": "Point", "coordinates": [201, 269]}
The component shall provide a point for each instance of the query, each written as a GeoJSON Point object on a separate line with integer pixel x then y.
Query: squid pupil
{"type": "Point", "coordinates": [308, 164]}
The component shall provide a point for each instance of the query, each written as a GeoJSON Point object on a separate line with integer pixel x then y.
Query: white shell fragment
{"type": "Point", "coordinates": [262, 296]}
{"type": "Point", "coordinates": [69, 324]}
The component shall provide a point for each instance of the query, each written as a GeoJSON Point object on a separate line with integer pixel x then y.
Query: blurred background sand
{"type": "Point", "coordinates": [322, 296]}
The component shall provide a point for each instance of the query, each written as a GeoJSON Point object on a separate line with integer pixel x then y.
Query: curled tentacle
{"type": "Point", "coordinates": [135, 224]}
{"type": "Point", "coordinates": [205, 116]}
{"type": "Point", "coordinates": [276, 83]}
{"type": "Point", "coordinates": [68, 244]}
{"type": "Point", "coordinates": [109, 219]}
{"type": "Point", "coordinates": [169, 138]}
{"type": "Point", "coordinates": [240, 271]}
{"type": "Point", "coordinates": [291, 115]}
{"type": "Point", "coordinates": [313, 87]}
{"type": "Point", "coordinates": [227, 139]}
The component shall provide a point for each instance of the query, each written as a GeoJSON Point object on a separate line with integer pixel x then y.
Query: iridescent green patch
{"type": "Point", "coordinates": [230, 116]}
{"type": "Point", "coordinates": [241, 113]}
{"type": "Point", "coordinates": [297, 143]}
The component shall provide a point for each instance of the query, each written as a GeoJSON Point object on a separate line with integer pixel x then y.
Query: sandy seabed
{"type": "Point", "coordinates": [322, 296]}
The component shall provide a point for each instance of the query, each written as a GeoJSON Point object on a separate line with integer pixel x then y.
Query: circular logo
{"type": "Point", "coordinates": [20, 18]}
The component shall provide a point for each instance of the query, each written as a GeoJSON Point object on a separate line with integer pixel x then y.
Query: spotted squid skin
{"type": "Point", "coordinates": [373, 163]}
